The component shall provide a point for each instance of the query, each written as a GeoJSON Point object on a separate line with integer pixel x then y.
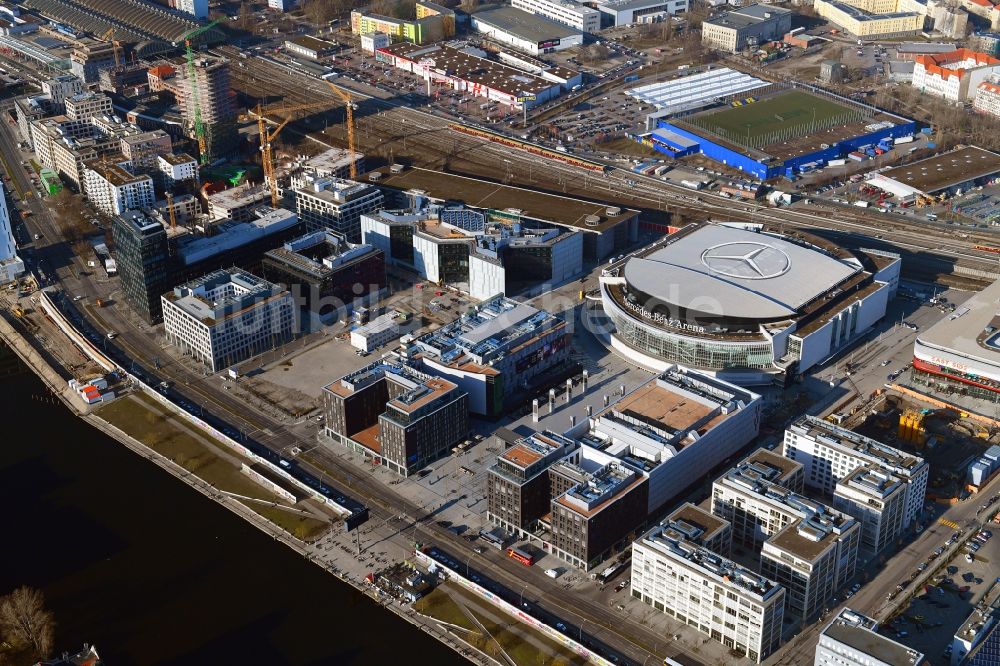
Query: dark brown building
{"type": "Point", "coordinates": [400, 418]}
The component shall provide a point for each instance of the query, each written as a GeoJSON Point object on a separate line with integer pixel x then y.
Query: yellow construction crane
{"type": "Point", "coordinates": [170, 210]}
{"type": "Point", "coordinates": [266, 139]}
{"type": "Point", "coordinates": [115, 45]}
{"type": "Point", "coordinates": [349, 106]}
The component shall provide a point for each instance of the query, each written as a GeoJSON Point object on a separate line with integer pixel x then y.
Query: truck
{"type": "Point", "coordinates": [861, 204]}
{"type": "Point", "coordinates": [840, 162]}
{"type": "Point", "coordinates": [856, 156]}
{"type": "Point", "coordinates": [903, 139]}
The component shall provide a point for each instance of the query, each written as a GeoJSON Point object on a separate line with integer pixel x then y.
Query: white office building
{"type": "Point", "coordinates": [735, 606]}
{"type": "Point", "coordinates": [629, 12]}
{"type": "Point", "coordinates": [829, 453]}
{"type": "Point", "coordinates": [877, 499]}
{"type": "Point", "coordinates": [337, 205]}
{"type": "Point", "coordinates": [226, 317]}
{"type": "Point", "coordinates": [806, 546]}
{"type": "Point", "coordinates": [381, 331]}
{"type": "Point", "coordinates": [852, 639]}
{"type": "Point", "coordinates": [196, 8]}
{"type": "Point", "coordinates": [60, 88]}
{"type": "Point", "coordinates": [175, 169]}
{"type": "Point", "coordinates": [113, 190]}
{"type": "Point", "coordinates": [573, 14]}
{"type": "Point", "coordinates": [11, 265]}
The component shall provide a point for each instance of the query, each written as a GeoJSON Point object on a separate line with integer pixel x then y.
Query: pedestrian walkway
{"type": "Point", "coordinates": [948, 523]}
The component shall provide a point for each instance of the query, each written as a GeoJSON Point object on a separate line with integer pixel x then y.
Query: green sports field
{"type": "Point", "coordinates": [787, 112]}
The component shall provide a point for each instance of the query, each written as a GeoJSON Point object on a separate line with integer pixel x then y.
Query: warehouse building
{"type": "Point", "coordinates": [327, 276]}
{"type": "Point", "coordinates": [495, 354]}
{"type": "Point", "coordinates": [830, 453]}
{"type": "Point", "coordinates": [525, 32]}
{"type": "Point", "coordinates": [946, 174]}
{"type": "Point", "coordinates": [395, 416]}
{"type": "Point", "coordinates": [745, 27]}
{"type": "Point", "coordinates": [226, 317]}
{"type": "Point", "coordinates": [469, 70]}
{"type": "Point", "coordinates": [309, 47]}
{"type": "Point", "coordinates": [617, 13]}
{"type": "Point", "coordinates": [732, 604]}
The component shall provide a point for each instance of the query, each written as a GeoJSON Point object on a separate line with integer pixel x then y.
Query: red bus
{"type": "Point", "coordinates": [525, 558]}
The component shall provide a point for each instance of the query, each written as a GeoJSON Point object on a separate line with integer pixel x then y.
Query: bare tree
{"type": "Point", "coordinates": [24, 621]}
{"type": "Point", "coordinates": [322, 11]}
{"type": "Point", "coordinates": [469, 6]}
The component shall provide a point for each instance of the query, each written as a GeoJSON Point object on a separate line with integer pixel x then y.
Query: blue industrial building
{"type": "Point", "coordinates": [678, 142]}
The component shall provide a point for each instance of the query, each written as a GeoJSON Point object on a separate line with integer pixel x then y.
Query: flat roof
{"type": "Point", "coordinates": [871, 643]}
{"type": "Point", "coordinates": [793, 539]}
{"type": "Point", "coordinates": [743, 17]}
{"type": "Point", "coordinates": [946, 170]}
{"type": "Point", "coordinates": [552, 208]}
{"type": "Point", "coordinates": [529, 27]}
{"type": "Point", "coordinates": [829, 434]}
{"type": "Point", "coordinates": [965, 330]}
{"type": "Point", "coordinates": [749, 275]}
{"type": "Point", "coordinates": [309, 42]}
{"type": "Point", "coordinates": [666, 408]}
{"type": "Point", "coordinates": [785, 465]}
{"type": "Point", "coordinates": [695, 515]}
{"type": "Point", "coordinates": [468, 67]}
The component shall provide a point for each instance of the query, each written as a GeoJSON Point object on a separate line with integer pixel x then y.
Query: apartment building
{"type": "Point", "coordinates": [433, 23]}
{"type": "Point", "coordinates": [59, 88]}
{"type": "Point", "coordinates": [599, 515]}
{"type": "Point", "coordinates": [829, 453]}
{"type": "Point", "coordinates": [226, 317]}
{"type": "Point", "coordinates": [804, 545]}
{"type": "Point", "coordinates": [852, 639]}
{"type": "Point", "coordinates": [954, 76]}
{"type": "Point", "coordinates": [30, 108]}
{"type": "Point", "coordinates": [195, 8]}
{"type": "Point", "coordinates": [700, 527]}
{"type": "Point", "coordinates": [738, 29]}
{"type": "Point", "coordinates": [987, 100]}
{"type": "Point", "coordinates": [216, 108]}
{"type": "Point", "coordinates": [396, 416]}
{"type": "Point", "coordinates": [143, 150]}
{"type": "Point", "coordinates": [731, 604]}
{"type": "Point", "coordinates": [175, 169]}
{"type": "Point", "coordinates": [877, 499]}
{"type": "Point", "coordinates": [88, 104]}
{"type": "Point", "coordinates": [518, 486]}
{"type": "Point", "coordinates": [337, 205]}
{"type": "Point", "coordinates": [113, 189]}
{"type": "Point", "coordinates": [858, 19]}
{"type": "Point", "coordinates": [499, 351]}
{"type": "Point", "coordinates": [567, 12]}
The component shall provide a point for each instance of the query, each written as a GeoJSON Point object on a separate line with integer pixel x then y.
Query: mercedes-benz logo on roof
{"type": "Point", "coordinates": [746, 260]}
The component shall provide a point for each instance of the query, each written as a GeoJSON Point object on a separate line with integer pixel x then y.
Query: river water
{"type": "Point", "coordinates": [151, 572]}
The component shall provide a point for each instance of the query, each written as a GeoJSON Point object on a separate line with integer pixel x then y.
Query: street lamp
{"type": "Point", "coordinates": [521, 604]}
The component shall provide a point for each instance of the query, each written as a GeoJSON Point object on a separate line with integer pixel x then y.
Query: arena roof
{"type": "Point", "coordinates": [737, 273]}
{"type": "Point", "coordinates": [697, 90]}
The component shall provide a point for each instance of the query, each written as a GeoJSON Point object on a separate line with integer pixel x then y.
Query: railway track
{"type": "Point", "coordinates": [395, 131]}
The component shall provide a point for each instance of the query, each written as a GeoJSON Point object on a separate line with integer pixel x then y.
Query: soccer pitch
{"type": "Point", "coordinates": [792, 113]}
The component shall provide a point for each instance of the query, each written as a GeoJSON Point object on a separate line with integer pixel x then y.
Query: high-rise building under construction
{"type": "Point", "coordinates": [205, 94]}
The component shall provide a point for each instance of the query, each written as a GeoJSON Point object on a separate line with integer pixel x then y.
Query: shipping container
{"type": "Point", "coordinates": [903, 139]}
{"type": "Point", "coordinates": [840, 162]}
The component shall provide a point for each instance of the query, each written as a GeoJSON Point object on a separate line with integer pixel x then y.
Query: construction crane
{"type": "Point", "coordinates": [266, 139]}
{"type": "Point", "coordinates": [199, 126]}
{"type": "Point", "coordinates": [115, 45]}
{"type": "Point", "coordinates": [170, 210]}
{"type": "Point", "coordinates": [349, 106]}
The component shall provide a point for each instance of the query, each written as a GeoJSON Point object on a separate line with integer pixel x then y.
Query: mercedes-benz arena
{"type": "Point", "coordinates": [744, 303]}
{"type": "Point", "coordinates": [961, 353]}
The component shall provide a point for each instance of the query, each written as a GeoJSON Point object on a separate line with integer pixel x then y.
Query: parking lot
{"type": "Point", "coordinates": [936, 612]}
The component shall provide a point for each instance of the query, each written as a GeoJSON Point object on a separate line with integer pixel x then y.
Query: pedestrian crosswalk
{"type": "Point", "coordinates": [948, 523]}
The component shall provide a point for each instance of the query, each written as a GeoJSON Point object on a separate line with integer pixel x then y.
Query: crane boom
{"type": "Point", "coordinates": [349, 106]}
{"type": "Point", "coordinates": [266, 139]}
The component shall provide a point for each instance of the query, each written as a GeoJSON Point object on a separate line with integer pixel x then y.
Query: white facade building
{"type": "Point", "coordinates": [733, 605]}
{"type": "Point", "coordinates": [11, 265]}
{"type": "Point", "coordinates": [60, 88]}
{"type": "Point", "coordinates": [954, 76]}
{"type": "Point", "coordinates": [175, 169]}
{"type": "Point", "coordinates": [114, 190]}
{"type": "Point", "coordinates": [629, 12]}
{"type": "Point", "coordinates": [852, 639]}
{"type": "Point", "coordinates": [381, 331]}
{"type": "Point", "coordinates": [373, 41]}
{"type": "Point", "coordinates": [196, 8]}
{"type": "Point", "coordinates": [566, 12]}
{"type": "Point", "coordinates": [987, 99]}
{"type": "Point", "coordinates": [337, 204]}
{"type": "Point", "coordinates": [226, 317]}
{"type": "Point", "coordinates": [829, 453]}
{"type": "Point", "coordinates": [876, 498]}
{"type": "Point", "coordinates": [530, 33]}
{"type": "Point", "coordinates": [677, 426]}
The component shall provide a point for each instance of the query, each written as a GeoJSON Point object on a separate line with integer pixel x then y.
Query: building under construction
{"type": "Point", "coordinates": [205, 95]}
